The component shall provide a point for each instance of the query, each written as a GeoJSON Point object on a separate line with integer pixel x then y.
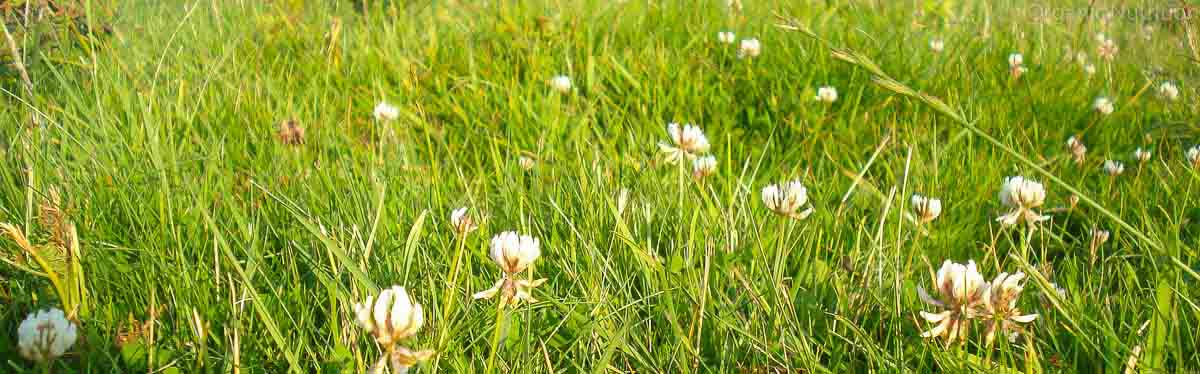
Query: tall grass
{"type": "Point", "coordinates": [210, 246]}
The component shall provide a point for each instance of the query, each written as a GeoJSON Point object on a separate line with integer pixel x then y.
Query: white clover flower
{"type": "Point", "coordinates": [1141, 155]}
{"type": "Point", "coordinates": [1103, 105]}
{"type": "Point", "coordinates": [1000, 306]}
{"type": "Point", "coordinates": [1016, 65]}
{"type": "Point", "coordinates": [726, 37]}
{"type": "Point", "coordinates": [1193, 156]}
{"type": "Point", "coordinates": [1089, 69]}
{"type": "Point", "coordinates": [786, 200]}
{"type": "Point", "coordinates": [927, 209]}
{"type": "Point", "coordinates": [937, 45]}
{"type": "Point", "coordinates": [386, 112]}
{"type": "Point", "coordinates": [561, 83]}
{"type": "Point", "coordinates": [513, 253]}
{"type": "Point", "coordinates": [749, 48]}
{"type": "Point", "coordinates": [1114, 167]}
{"type": "Point", "coordinates": [1022, 195]}
{"type": "Point", "coordinates": [461, 221]}
{"type": "Point", "coordinates": [687, 142]}
{"type": "Point", "coordinates": [826, 94]}
{"type": "Point", "coordinates": [1167, 90]}
{"type": "Point", "coordinates": [704, 166]}
{"type": "Point", "coordinates": [392, 317]}
{"type": "Point", "coordinates": [1078, 150]}
{"type": "Point", "coordinates": [961, 289]}
{"type": "Point", "coordinates": [1016, 60]}
{"type": "Point", "coordinates": [1107, 48]}
{"type": "Point", "coordinates": [45, 335]}
{"type": "Point", "coordinates": [526, 163]}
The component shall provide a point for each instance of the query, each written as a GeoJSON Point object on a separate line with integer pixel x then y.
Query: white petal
{"type": "Point", "coordinates": [416, 319]}
{"type": "Point", "coordinates": [401, 312]}
{"type": "Point", "coordinates": [1025, 318]}
{"type": "Point", "coordinates": [1009, 219]}
{"type": "Point", "coordinates": [935, 317]}
{"type": "Point", "coordinates": [489, 293]}
{"type": "Point", "coordinates": [804, 214]}
{"type": "Point", "coordinates": [362, 313]}
{"type": "Point", "coordinates": [927, 298]}
{"type": "Point", "coordinates": [383, 307]}
{"type": "Point", "coordinates": [936, 330]}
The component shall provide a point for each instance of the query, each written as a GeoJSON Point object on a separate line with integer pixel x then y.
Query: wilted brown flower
{"type": "Point", "coordinates": [1098, 238]}
{"type": "Point", "coordinates": [290, 132]}
{"type": "Point", "coordinates": [1078, 150]}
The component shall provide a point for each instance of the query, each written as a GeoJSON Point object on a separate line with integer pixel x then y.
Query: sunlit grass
{"type": "Point", "coordinates": [241, 174]}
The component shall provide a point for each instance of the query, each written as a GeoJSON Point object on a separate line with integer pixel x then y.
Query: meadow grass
{"type": "Point", "coordinates": [205, 244]}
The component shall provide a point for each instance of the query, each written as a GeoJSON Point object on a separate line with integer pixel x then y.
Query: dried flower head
{"type": "Point", "coordinates": [45, 335]}
{"type": "Point", "coordinates": [513, 253]}
{"type": "Point", "coordinates": [290, 132]}
{"type": "Point", "coordinates": [1022, 195]}
{"type": "Point", "coordinates": [1078, 150]}
{"type": "Point", "coordinates": [1193, 156]}
{"type": "Point", "coordinates": [52, 215]}
{"type": "Point", "coordinates": [960, 291]}
{"type": "Point", "coordinates": [927, 209]}
{"type": "Point", "coordinates": [1098, 237]}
